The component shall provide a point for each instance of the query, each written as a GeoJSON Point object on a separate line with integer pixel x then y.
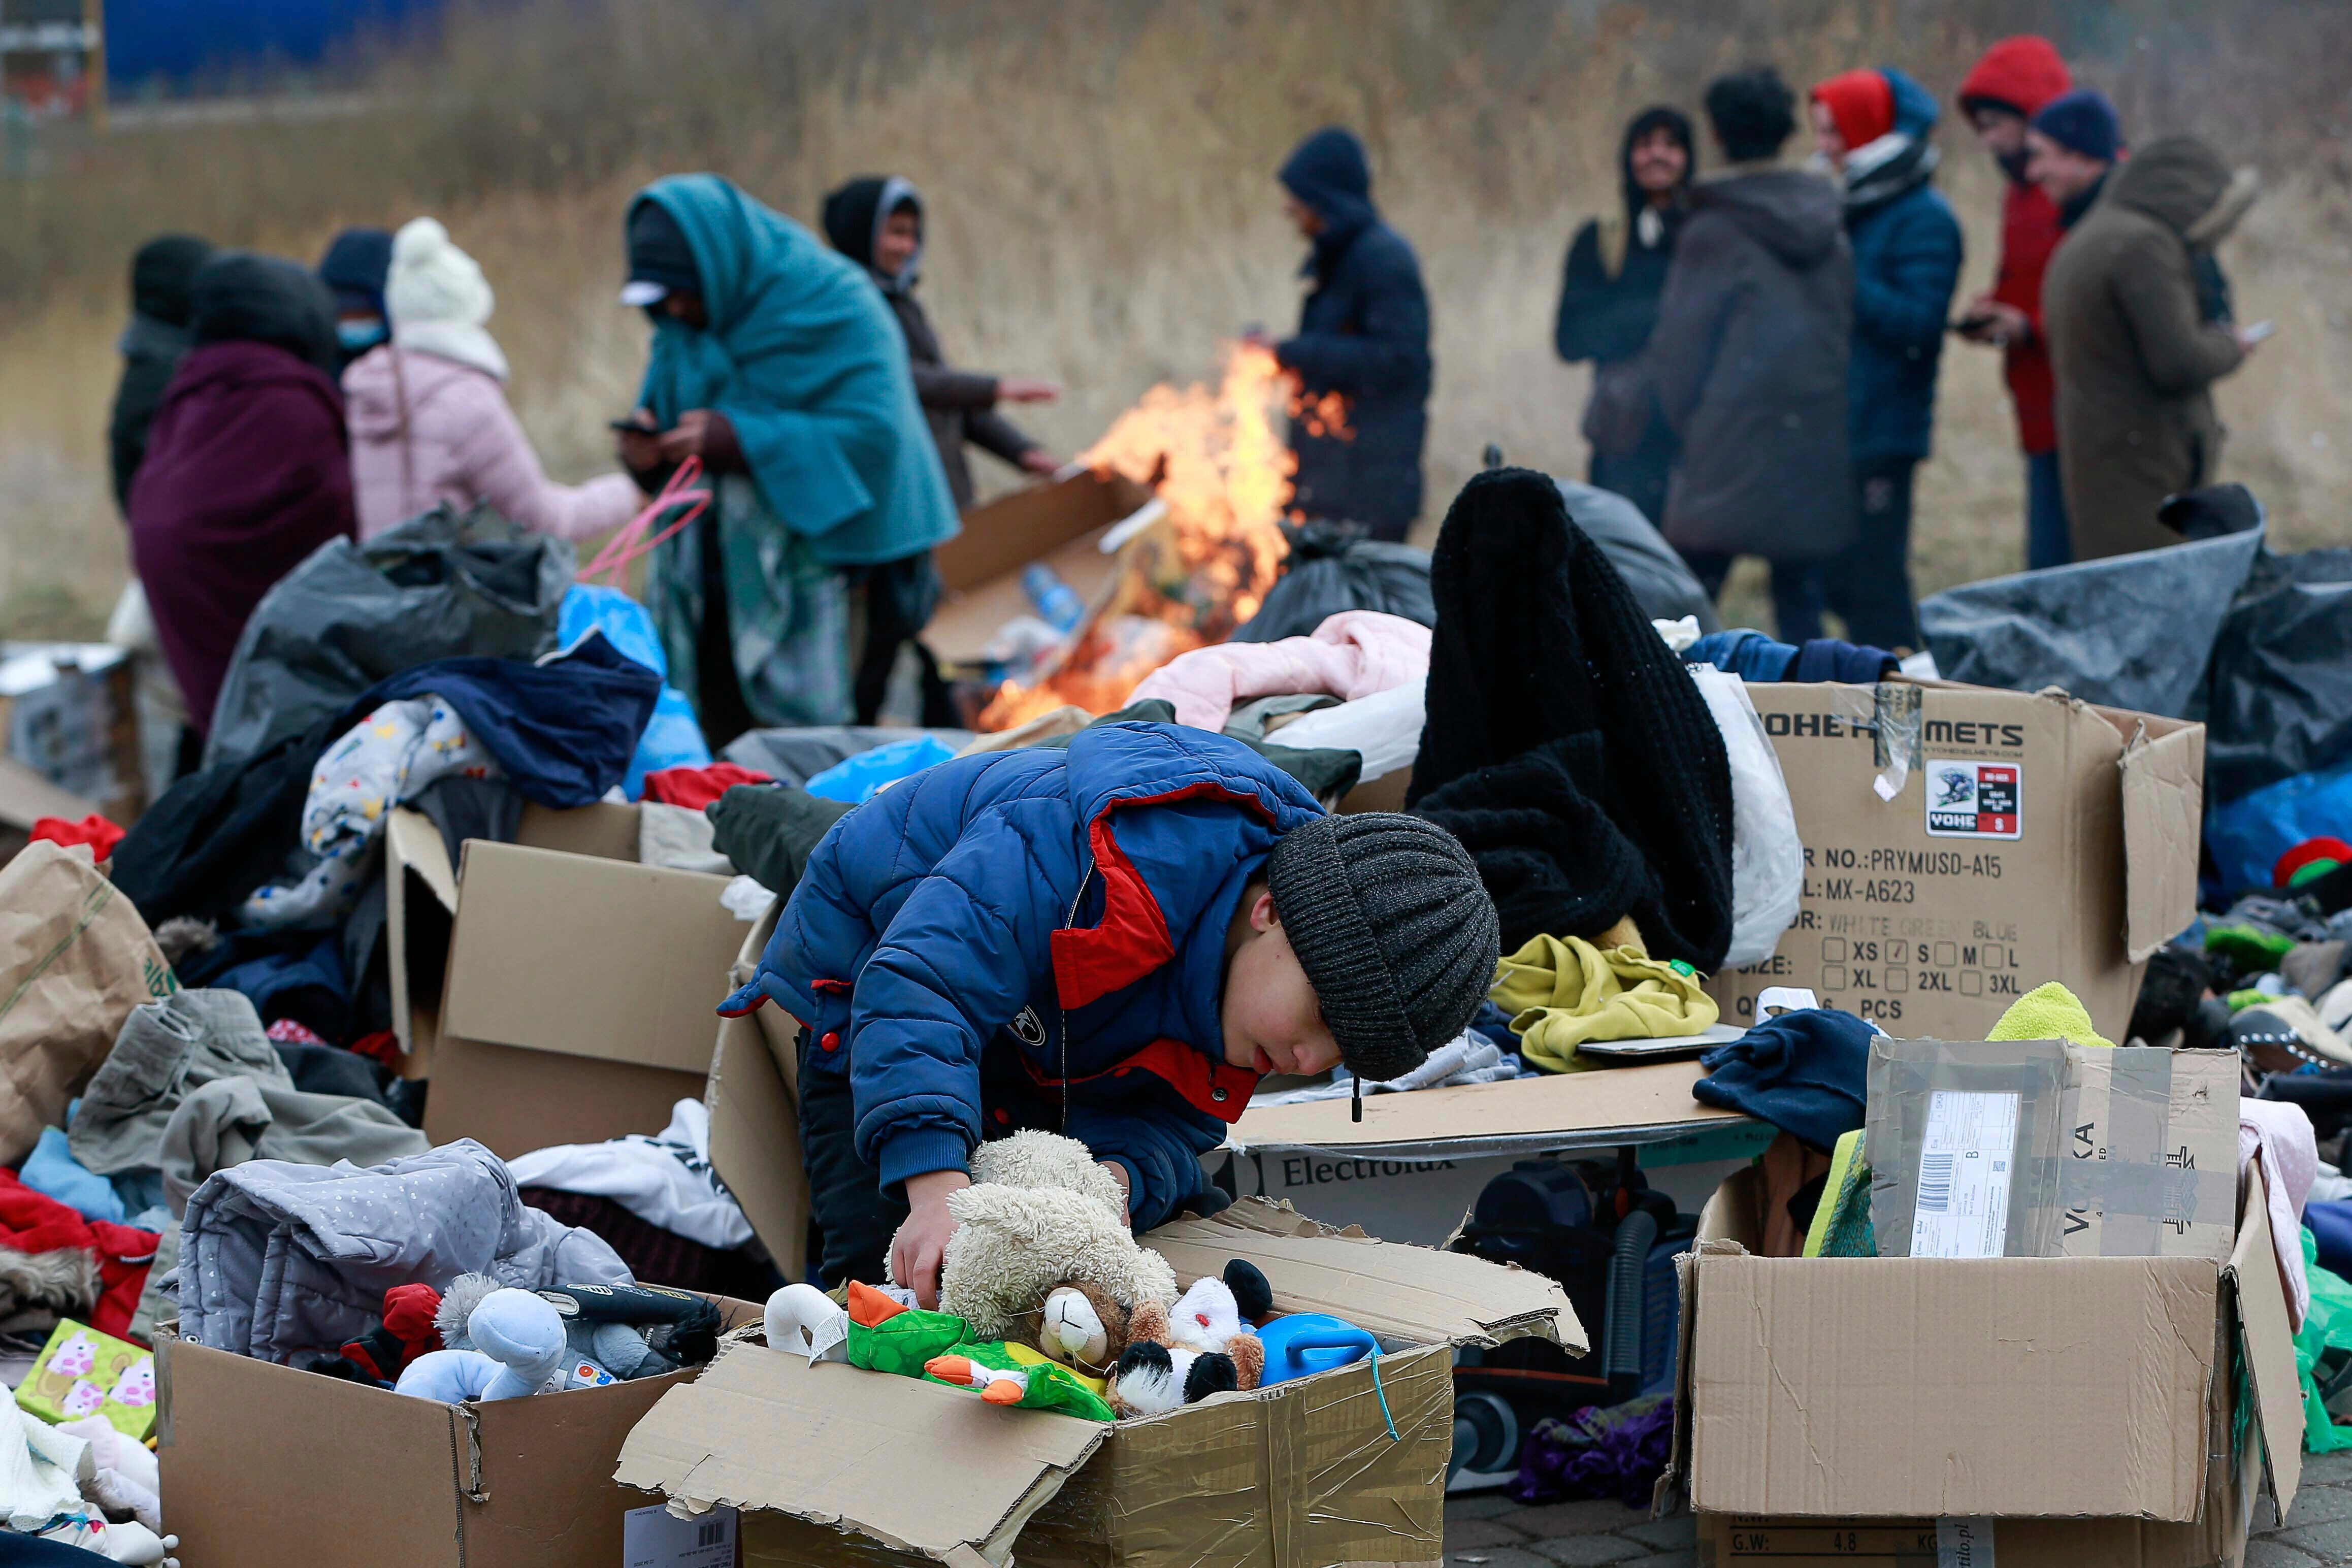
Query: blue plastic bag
{"type": "Point", "coordinates": [673, 737]}
{"type": "Point", "coordinates": [2249, 834]}
{"type": "Point", "coordinates": [862, 777]}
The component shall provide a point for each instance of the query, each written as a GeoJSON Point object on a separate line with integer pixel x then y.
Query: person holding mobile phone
{"type": "Point", "coordinates": [2002, 92]}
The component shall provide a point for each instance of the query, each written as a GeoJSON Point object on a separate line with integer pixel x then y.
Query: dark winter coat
{"type": "Point", "coordinates": [1907, 263]}
{"type": "Point", "coordinates": [1609, 295]}
{"type": "Point", "coordinates": [1566, 746]}
{"type": "Point", "coordinates": [247, 469]}
{"type": "Point", "coordinates": [1009, 932]}
{"type": "Point", "coordinates": [152, 347]}
{"type": "Point", "coordinates": [1363, 333]}
{"type": "Point", "coordinates": [2135, 357]}
{"type": "Point", "coordinates": [1747, 363]}
{"type": "Point", "coordinates": [960, 405]}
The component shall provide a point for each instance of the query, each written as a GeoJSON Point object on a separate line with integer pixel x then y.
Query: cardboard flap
{"type": "Point", "coordinates": [1410, 1293]}
{"type": "Point", "coordinates": [754, 1104]}
{"type": "Point", "coordinates": [420, 901]}
{"type": "Point", "coordinates": [2267, 1342]}
{"type": "Point", "coordinates": [2164, 811]}
{"type": "Point", "coordinates": [26, 796]}
{"type": "Point", "coordinates": [915, 1465]}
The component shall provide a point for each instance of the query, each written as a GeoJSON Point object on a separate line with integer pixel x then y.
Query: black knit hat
{"type": "Point", "coordinates": [1394, 929]}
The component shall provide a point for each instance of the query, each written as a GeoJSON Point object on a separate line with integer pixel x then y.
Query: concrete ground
{"type": "Point", "coordinates": [1489, 1531]}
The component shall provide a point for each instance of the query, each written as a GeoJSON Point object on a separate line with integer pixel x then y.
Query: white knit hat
{"type": "Point", "coordinates": [438, 299]}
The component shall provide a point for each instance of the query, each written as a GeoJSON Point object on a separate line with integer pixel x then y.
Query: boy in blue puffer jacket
{"type": "Point", "coordinates": [1112, 942]}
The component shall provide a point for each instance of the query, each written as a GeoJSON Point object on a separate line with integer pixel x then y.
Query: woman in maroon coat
{"type": "Point", "coordinates": [248, 468]}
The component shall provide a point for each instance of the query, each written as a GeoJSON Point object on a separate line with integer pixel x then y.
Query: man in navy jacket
{"type": "Point", "coordinates": [1113, 943]}
{"type": "Point", "coordinates": [1872, 127]}
{"type": "Point", "coordinates": [1363, 335]}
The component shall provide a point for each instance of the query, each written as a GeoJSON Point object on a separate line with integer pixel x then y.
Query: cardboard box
{"type": "Point", "coordinates": [270, 1468]}
{"type": "Point", "coordinates": [2023, 839]}
{"type": "Point", "coordinates": [833, 1465]}
{"type": "Point", "coordinates": [67, 711]}
{"type": "Point", "coordinates": [754, 1097]}
{"type": "Point", "coordinates": [2093, 1389]}
{"type": "Point", "coordinates": [2043, 1149]}
{"type": "Point", "coordinates": [1061, 523]}
{"type": "Point", "coordinates": [26, 797]}
{"type": "Point", "coordinates": [577, 996]}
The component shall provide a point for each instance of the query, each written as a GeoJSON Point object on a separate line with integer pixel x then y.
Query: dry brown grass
{"type": "Point", "coordinates": [1103, 208]}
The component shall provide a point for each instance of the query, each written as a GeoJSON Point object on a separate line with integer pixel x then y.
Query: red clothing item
{"type": "Point", "coordinates": [695, 789]}
{"type": "Point", "coordinates": [2021, 74]}
{"type": "Point", "coordinates": [94, 830]}
{"type": "Point", "coordinates": [31, 1222]}
{"type": "Point", "coordinates": [1862, 104]}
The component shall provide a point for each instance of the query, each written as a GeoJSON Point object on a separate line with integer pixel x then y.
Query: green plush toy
{"type": "Point", "coordinates": [908, 1341]}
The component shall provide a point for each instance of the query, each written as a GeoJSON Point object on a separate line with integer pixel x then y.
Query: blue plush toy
{"type": "Point", "coordinates": [522, 1350]}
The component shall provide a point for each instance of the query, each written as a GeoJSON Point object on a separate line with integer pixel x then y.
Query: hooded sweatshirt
{"type": "Point", "coordinates": [2134, 352]}
{"type": "Point", "coordinates": [246, 469]}
{"type": "Point", "coordinates": [429, 414]}
{"type": "Point", "coordinates": [1747, 365]}
{"type": "Point", "coordinates": [959, 405]}
{"type": "Point", "coordinates": [2020, 75]}
{"type": "Point", "coordinates": [1907, 263]}
{"type": "Point", "coordinates": [152, 346]}
{"type": "Point", "coordinates": [1363, 333]}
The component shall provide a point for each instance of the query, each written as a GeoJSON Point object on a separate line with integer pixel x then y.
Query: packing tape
{"type": "Point", "coordinates": [1964, 1544]}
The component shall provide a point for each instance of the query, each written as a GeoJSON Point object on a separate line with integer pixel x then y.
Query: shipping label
{"type": "Point", "coordinates": [1965, 1163]}
{"type": "Point", "coordinates": [1969, 799]}
{"type": "Point", "coordinates": [657, 1538]}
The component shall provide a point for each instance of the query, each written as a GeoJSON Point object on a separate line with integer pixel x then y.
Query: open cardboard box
{"type": "Point", "coordinates": [1061, 524]}
{"type": "Point", "coordinates": [271, 1467]}
{"type": "Point", "coordinates": [575, 986]}
{"type": "Point", "coordinates": [831, 1465]}
{"type": "Point", "coordinates": [2086, 1411]}
{"type": "Point", "coordinates": [2024, 838]}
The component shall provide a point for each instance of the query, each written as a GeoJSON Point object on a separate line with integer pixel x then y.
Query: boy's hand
{"type": "Point", "coordinates": [1126, 1205]}
{"type": "Point", "coordinates": [922, 1241]}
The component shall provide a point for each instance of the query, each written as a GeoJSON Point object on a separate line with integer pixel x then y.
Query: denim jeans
{"type": "Point", "coordinates": [2046, 541]}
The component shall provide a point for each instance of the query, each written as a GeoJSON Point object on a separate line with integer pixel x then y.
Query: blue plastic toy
{"type": "Point", "coordinates": [1305, 1343]}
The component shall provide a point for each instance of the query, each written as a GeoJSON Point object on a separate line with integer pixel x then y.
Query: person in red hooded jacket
{"type": "Point", "coordinates": [2000, 93]}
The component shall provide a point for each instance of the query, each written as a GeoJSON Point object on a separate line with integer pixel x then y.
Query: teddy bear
{"type": "Point", "coordinates": [1203, 1345]}
{"type": "Point", "coordinates": [1042, 1255]}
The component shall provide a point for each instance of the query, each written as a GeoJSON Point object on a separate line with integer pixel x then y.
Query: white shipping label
{"type": "Point", "coordinates": [657, 1538]}
{"type": "Point", "coordinates": [1964, 1170]}
{"type": "Point", "coordinates": [1964, 1544]}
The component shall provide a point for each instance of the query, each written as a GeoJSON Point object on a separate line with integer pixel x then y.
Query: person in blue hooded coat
{"type": "Point", "coordinates": [778, 364]}
{"type": "Point", "coordinates": [1111, 941]}
{"type": "Point", "coordinates": [1872, 127]}
{"type": "Point", "coordinates": [1363, 333]}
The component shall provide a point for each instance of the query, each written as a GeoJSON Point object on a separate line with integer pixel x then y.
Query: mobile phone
{"type": "Point", "coordinates": [2260, 330]}
{"type": "Point", "coordinates": [1973, 323]}
{"type": "Point", "coordinates": [631, 425]}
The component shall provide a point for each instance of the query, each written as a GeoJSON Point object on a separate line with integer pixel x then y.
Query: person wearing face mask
{"type": "Point", "coordinates": [878, 224]}
{"type": "Point", "coordinates": [2000, 93]}
{"type": "Point", "coordinates": [355, 268]}
{"type": "Point", "coordinates": [1608, 299]}
{"type": "Point", "coordinates": [1871, 127]}
{"type": "Point", "coordinates": [777, 363]}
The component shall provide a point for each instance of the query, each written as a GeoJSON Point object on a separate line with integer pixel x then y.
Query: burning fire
{"type": "Point", "coordinates": [1222, 469]}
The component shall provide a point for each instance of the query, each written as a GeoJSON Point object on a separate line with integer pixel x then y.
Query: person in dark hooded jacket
{"type": "Point", "coordinates": [248, 470]}
{"type": "Point", "coordinates": [878, 224]}
{"type": "Point", "coordinates": [1363, 333]}
{"type": "Point", "coordinates": [1747, 362]}
{"type": "Point", "coordinates": [1608, 296]}
{"type": "Point", "coordinates": [1872, 127]}
{"type": "Point", "coordinates": [357, 262]}
{"type": "Point", "coordinates": [153, 346]}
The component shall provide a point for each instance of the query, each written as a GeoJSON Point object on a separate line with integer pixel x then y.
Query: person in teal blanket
{"type": "Point", "coordinates": [776, 363]}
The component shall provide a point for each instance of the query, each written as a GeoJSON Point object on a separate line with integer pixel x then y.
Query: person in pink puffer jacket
{"type": "Point", "coordinates": [429, 414]}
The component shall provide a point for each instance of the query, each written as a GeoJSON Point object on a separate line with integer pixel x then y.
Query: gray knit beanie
{"type": "Point", "coordinates": [1394, 929]}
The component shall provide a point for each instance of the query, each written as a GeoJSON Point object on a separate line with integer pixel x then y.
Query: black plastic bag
{"type": "Point", "coordinates": [1333, 567]}
{"type": "Point", "coordinates": [440, 585]}
{"type": "Point", "coordinates": [2278, 699]}
{"type": "Point", "coordinates": [1661, 582]}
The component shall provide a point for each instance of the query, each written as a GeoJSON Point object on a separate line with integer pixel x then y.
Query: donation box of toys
{"type": "Point", "coordinates": [830, 1438]}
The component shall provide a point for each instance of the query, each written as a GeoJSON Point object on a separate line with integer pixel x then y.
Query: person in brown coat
{"type": "Point", "coordinates": [2137, 346]}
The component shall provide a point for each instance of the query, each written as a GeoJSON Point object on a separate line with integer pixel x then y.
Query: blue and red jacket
{"type": "Point", "coordinates": [1036, 937]}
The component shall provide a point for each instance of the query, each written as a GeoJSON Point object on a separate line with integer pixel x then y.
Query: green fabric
{"type": "Point", "coordinates": [1563, 991]}
{"type": "Point", "coordinates": [1048, 1386]}
{"type": "Point", "coordinates": [2328, 1325]}
{"type": "Point", "coordinates": [2311, 872]}
{"type": "Point", "coordinates": [2250, 947]}
{"type": "Point", "coordinates": [903, 1341]}
{"type": "Point", "coordinates": [804, 358]}
{"type": "Point", "coordinates": [1840, 1227]}
{"type": "Point", "coordinates": [2047, 1012]}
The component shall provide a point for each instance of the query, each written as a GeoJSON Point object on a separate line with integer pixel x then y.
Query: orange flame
{"type": "Point", "coordinates": [1223, 467]}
